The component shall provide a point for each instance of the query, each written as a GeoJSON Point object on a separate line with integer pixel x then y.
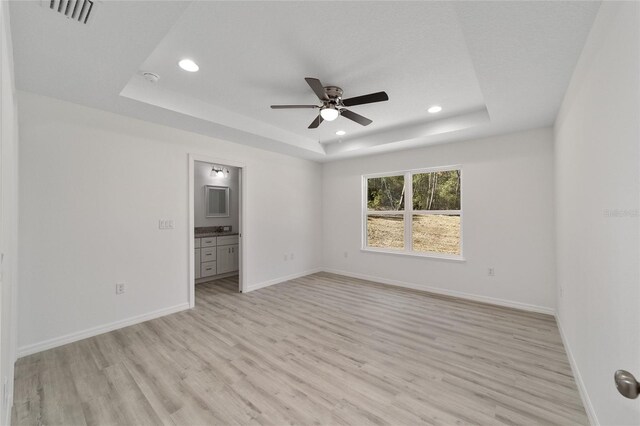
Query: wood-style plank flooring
{"type": "Point", "coordinates": [322, 349]}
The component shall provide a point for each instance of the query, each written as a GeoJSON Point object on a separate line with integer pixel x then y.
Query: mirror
{"type": "Point", "coordinates": [216, 201]}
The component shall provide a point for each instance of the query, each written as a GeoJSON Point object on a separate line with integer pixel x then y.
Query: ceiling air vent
{"type": "Point", "coordinates": [78, 10]}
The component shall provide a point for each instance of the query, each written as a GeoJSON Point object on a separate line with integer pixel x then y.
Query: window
{"type": "Point", "coordinates": [430, 224]}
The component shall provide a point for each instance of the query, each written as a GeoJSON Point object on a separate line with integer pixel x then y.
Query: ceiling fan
{"type": "Point", "coordinates": [333, 105]}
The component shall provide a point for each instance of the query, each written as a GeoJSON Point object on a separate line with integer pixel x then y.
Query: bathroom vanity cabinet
{"type": "Point", "coordinates": [218, 255]}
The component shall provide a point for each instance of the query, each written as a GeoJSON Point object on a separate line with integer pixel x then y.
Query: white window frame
{"type": "Point", "coordinates": [408, 213]}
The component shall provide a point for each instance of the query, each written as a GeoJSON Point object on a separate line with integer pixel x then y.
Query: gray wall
{"type": "Point", "coordinates": [201, 179]}
{"type": "Point", "coordinates": [8, 212]}
{"type": "Point", "coordinates": [77, 149]}
{"type": "Point", "coordinates": [597, 203]}
{"type": "Point", "coordinates": [507, 191]}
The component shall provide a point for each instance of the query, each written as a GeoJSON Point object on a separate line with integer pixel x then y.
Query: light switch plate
{"type": "Point", "coordinates": [166, 224]}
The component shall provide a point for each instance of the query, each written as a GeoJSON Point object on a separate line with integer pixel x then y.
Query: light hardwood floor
{"type": "Point", "coordinates": [322, 349]}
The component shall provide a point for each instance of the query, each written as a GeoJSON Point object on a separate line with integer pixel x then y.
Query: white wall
{"type": "Point", "coordinates": [508, 220]}
{"type": "Point", "coordinates": [93, 186]}
{"type": "Point", "coordinates": [202, 177]}
{"type": "Point", "coordinates": [597, 170]}
{"type": "Point", "coordinates": [8, 216]}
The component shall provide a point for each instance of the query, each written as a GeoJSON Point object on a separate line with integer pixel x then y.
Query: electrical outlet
{"type": "Point", "coordinates": [492, 272]}
{"type": "Point", "coordinates": [120, 288]}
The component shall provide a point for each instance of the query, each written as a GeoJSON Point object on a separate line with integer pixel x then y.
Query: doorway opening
{"type": "Point", "coordinates": [216, 195]}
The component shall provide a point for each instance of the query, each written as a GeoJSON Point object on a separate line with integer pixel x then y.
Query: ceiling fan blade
{"type": "Point", "coordinates": [366, 99]}
{"type": "Point", "coordinates": [315, 123]}
{"type": "Point", "coordinates": [318, 88]}
{"type": "Point", "coordinates": [293, 106]}
{"type": "Point", "coordinates": [355, 117]}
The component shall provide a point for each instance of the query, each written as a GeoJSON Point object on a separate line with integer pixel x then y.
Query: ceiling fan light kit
{"type": "Point", "coordinates": [329, 113]}
{"type": "Point", "coordinates": [334, 106]}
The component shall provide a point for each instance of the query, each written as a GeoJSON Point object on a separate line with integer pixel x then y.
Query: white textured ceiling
{"type": "Point", "coordinates": [252, 55]}
{"type": "Point", "coordinates": [493, 66]}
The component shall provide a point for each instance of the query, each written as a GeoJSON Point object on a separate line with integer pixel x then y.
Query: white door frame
{"type": "Point", "coordinates": [242, 228]}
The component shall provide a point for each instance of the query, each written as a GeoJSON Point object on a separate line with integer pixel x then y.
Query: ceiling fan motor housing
{"type": "Point", "coordinates": [333, 92]}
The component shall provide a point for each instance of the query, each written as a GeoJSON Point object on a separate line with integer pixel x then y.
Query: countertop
{"type": "Point", "coordinates": [214, 234]}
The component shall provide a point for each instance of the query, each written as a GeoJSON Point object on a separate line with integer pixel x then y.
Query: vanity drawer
{"type": "Point", "coordinates": [196, 261]}
{"type": "Point", "coordinates": [196, 243]}
{"type": "Point", "coordinates": [208, 242]}
{"type": "Point", "coordinates": [207, 254]}
{"type": "Point", "coordinates": [207, 269]}
{"type": "Point", "coordinates": [228, 240]}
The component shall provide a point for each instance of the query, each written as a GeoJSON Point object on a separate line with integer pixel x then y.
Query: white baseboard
{"type": "Point", "coordinates": [94, 331]}
{"type": "Point", "coordinates": [90, 332]}
{"type": "Point", "coordinates": [582, 389]}
{"type": "Point", "coordinates": [73, 337]}
{"type": "Point", "coordinates": [445, 292]}
{"type": "Point", "coordinates": [279, 280]}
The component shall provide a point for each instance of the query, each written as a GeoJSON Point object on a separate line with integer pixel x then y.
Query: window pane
{"type": "Point", "coordinates": [385, 231]}
{"type": "Point", "coordinates": [436, 190]}
{"type": "Point", "coordinates": [436, 233]}
{"type": "Point", "coordinates": [385, 193]}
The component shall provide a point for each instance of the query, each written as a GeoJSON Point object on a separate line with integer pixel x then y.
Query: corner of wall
{"type": "Point", "coordinates": [9, 214]}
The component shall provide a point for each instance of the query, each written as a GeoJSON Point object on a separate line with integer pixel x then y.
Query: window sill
{"type": "Point", "coordinates": [437, 256]}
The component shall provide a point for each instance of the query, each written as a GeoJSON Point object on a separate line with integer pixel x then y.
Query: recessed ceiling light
{"type": "Point", "coordinates": [188, 65]}
{"type": "Point", "coordinates": [341, 133]}
{"type": "Point", "coordinates": [434, 109]}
